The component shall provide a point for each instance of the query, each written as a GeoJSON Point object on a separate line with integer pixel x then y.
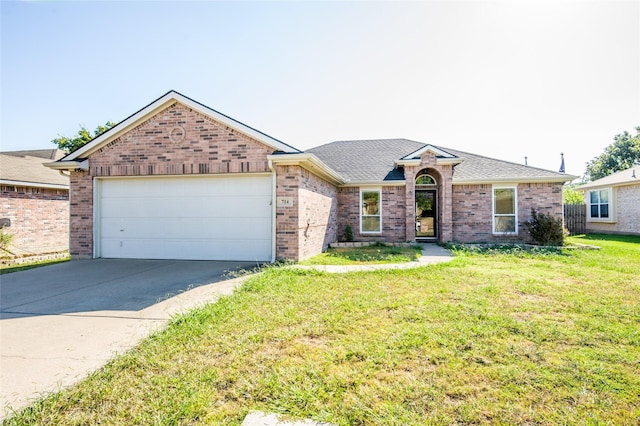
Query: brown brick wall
{"type": "Point", "coordinates": [318, 210]}
{"type": "Point", "coordinates": [176, 141]}
{"type": "Point", "coordinates": [392, 212]}
{"type": "Point", "coordinates": [306, 227]}
{"type": "Point", "coordinates": [39, 219]}
{"type": "Point", "coordinates": [81, 217]}
{"type": "Point", "coordinates": [472, 210]}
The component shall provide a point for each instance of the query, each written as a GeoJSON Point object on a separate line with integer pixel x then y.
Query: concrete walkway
{"type": "Point", "coordinates": [431, 254]}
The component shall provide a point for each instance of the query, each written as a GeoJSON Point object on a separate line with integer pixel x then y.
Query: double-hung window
{"type": "Point", "coordinates": [599, 204]}
{"type": "Point", "coordinates": [505, 210]}
{"type": "Point", "coordinates": [370, 221]}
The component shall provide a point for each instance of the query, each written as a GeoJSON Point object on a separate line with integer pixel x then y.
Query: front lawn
{"type": "Point", "coordinates": [497, 338]}
{"type": "Point", "coordinates": [375, 254]}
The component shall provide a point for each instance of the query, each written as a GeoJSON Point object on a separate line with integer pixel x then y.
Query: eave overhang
{"type": "Point", "coordinates": [33, 184]}
{"type": "Point", "coordinates": [77, 165]}
{"type": "Point", "coordinates": [309, 162]}
{"type": "Point", "coordinates": [488, 181]}
{"type": "Point", "coordinates": [374, 183]}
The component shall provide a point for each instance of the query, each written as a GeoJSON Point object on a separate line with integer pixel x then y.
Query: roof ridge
{"type": "Point", "coordinates": [504, 161]}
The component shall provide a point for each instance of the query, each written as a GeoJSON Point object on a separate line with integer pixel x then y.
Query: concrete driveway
{"type": "Point", "coordinates": [60, 322]}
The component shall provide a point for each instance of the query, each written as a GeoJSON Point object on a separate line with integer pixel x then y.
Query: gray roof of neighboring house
{"type": "Point", "coordinates": [629, 176]}
{"type": "Point", "coordinates": [374, 161]}
{"type": "Point", "coordinates": [26, 167]}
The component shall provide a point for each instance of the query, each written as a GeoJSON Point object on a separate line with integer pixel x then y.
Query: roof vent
{"type": "Point", "coordinates": [561, 162]}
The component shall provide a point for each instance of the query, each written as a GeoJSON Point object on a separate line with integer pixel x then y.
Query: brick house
{"type": "Point", "coordinates": [34, 202]}
{"type": "Point", "coordinates": [613, 203]}
{"type": "Point", "coordinates": [179, 180]}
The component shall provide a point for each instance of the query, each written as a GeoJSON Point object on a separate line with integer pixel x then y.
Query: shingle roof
{"type": "Point", "coordinates": [629, 176]}
{"type": "Point", "coordinates": [374, 161]}
{"type": "Point", "coordinates": [27, 167]}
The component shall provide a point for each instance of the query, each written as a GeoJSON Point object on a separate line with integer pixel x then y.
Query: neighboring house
{"type": "Point", "coordinates": [34, 202]}
{"type": "Point", "coordinates": [179, 180]}
{"type": "Point", "coordinates": [613, 203]}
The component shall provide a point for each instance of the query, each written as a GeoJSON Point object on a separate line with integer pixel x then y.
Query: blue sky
{"type": "Point", "coordinates": [502, 79]}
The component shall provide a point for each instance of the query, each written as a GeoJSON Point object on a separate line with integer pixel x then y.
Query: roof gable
{"type": "Point", "coordinates": [438, 152]}
{"type": "Point", "coordinates": [161, 104]}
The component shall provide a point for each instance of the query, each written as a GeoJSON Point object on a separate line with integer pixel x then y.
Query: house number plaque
{"type": "Point", "coordinates": [284, 201]}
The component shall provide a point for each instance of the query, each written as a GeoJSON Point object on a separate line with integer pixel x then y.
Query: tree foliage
{"type": "Point", "coordinates": [82, 137]}
{"type": "Point", "coordinates": [620, 155]}
{"type": "Point", "coordinates": [571, 196]}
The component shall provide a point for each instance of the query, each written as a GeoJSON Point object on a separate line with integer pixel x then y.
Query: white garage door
{"type": "Point", "coordinates": [197, 218]}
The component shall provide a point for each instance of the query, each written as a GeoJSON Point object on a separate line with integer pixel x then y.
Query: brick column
{"type": "Point", "coordinates": [410, 203]}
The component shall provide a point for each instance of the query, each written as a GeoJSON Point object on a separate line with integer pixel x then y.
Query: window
{"type": "Point", "coordinates": [505, 217]}
{"type": "Point", "coordinates": [599, 204]}
{"type": "Point", "coordinates": [370, 211]}
{"type": "Point", "coordinates": [425, 180]}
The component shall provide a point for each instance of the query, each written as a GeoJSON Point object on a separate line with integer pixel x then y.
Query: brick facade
{"type": "Point", "coordinates": [392, 212]}
{"type": "Point", "coordinates": [443, 174]}
{"type": "Point", "coordinates": [310, 212]}
{"type": "Point", "coordinates": [308, 225]}
{"type": "Point", "coordinates": [473, 209]}
{"type": "Point", "coordinates": [39, 219]}
{"type": "Point", "coordinates": [176, 141]}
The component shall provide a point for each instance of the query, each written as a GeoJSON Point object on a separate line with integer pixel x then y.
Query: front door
{"type": "Point", "coordinates": [426, 214]}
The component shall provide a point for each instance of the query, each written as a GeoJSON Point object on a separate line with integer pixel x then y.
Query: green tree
{"type": "Point", "coordinates": [620, 155]}
{"type": "Point", "coordinates": [82, 137]}
{"type": "Point", "coordinates": [571, 196]}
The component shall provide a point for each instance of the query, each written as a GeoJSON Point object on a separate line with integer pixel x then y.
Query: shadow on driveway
{"type": "Point", "coordinates": [105, 285]}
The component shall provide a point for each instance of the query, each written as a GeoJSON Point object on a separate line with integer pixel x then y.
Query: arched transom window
{"type": "Point", "coordinates": [425, 180]}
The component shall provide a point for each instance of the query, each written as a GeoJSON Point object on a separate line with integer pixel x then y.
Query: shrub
{"type": "Point", "coordinates": [348, 233]}
{"type": "Point", "coordinates": [545, 229]}
{"type": "Point", "coordinates": [5, 239]}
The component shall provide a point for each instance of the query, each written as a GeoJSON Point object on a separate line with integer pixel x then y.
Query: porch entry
{"type": "Point", "coordinates": [426, 213]}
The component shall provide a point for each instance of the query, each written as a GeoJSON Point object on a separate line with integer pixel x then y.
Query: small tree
{"type": "Point", "coordinates": [5, 239]}
{"type": "Point", "coordinates": [348, 233]}
{"type": "Point", "coordinates": [571, 196]}
{"type": "Point", "coordinates": [545, 229]}
{"type": "Point", "coordinates": [71, 144]}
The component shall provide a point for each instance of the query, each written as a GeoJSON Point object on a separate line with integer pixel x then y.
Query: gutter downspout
{"type": "Point", "coordinates": [273, 210]}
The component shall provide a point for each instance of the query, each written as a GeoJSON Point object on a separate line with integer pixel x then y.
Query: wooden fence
{"type": "Point", "coordinates": [575, 218]}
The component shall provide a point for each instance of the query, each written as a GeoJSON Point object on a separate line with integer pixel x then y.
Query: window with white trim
{"type": "Point", "coordinates": [505, 210]}
{"type": "Point", "coordinates": [370, 220]}
{"type": "Point", "coordinates": [599, 200]}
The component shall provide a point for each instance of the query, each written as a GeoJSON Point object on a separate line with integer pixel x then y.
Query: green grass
{"type": "Point", "coordinates": [375, 254]}
{"type": "Point", "coordinates": [7, 269]}
{"type": "Point", "coordinates": [489, 338]}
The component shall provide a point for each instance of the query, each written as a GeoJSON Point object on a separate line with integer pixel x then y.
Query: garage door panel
{"type": "Point", "coordinates": [225, 218]}
{"type": "Point", "coordinates": [185, 229]}
{"type": "Point", "coordinates": [245, 207]}
{"type": "Point", "coordinates": [157, 249]}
